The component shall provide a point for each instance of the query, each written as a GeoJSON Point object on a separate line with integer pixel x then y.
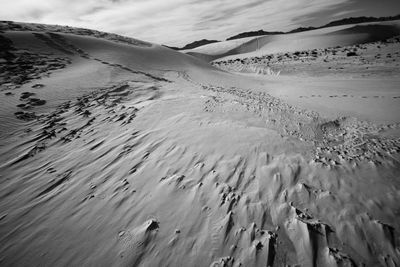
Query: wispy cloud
{"type": "Point", "coordinates": [345, 13]}
{"type": "Point", "coordinates": [173, 22]}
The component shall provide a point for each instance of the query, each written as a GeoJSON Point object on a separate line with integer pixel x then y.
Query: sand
{"type": "Point", "coordinates": [360, 80]}
{"type": "Point", "coordinates": [144, 156]}
{"type": "Point", "coordinates": [330, 37]}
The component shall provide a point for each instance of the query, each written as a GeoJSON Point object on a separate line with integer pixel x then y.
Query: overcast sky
{"type": "Point", "coordinates": [177, 22]}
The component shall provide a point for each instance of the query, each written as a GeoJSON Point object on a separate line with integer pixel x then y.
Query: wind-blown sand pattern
{"type": "Point", "coordinates": [159, 159]}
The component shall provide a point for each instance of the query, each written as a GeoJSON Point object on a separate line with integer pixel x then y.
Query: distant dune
{"type": "Point", "coordinates": [321, 38]}
{"type": "Point", "coordinates": [345, 21]}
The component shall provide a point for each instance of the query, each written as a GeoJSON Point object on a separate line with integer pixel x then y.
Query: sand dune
{"type": "Point", "coordinates": [143, 156]}
{"type": "Point", "coordinates": [360, 80]}
{"type": "Point", "coordinates": [320, 38]}
{"type": "Point", "coordinates": [215, 50]}
{"type": "Point", "coordinates": [77, 64]}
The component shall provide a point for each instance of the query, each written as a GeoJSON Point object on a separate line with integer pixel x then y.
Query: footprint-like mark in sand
{"type": "Point", "coordinates": [116, 65]}
{"type": "Point", "coordinates": [60, 43]}
{"type": "Point", "coordinates": [51, 43]}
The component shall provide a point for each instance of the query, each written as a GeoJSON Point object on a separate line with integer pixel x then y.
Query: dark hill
{"type": "Point", "coordinates": [355, 20]}
{"type": "Point", "coordinates": [198, 43]}
{"type": "Point", "coordinates": [252, 33]}
{"type": "Point", "coordinates": [340, 22]}
{"type": "Point", "coordinates": [194, 44]}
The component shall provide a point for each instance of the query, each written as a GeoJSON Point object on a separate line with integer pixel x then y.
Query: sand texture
{"type": "Point", "coordinates": [125, 153]}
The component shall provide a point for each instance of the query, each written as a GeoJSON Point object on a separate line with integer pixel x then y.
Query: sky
{"type": "Point", "coordinates": [178, 22]}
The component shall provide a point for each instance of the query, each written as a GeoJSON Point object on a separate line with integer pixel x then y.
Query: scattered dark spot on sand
{"type": "Point", "coordinates": [51, 170]}
{"type": "Point", "coordinates": [25, 116]}
{"type": "Point", "coordinates": [24, 106]}
{"type": "Point", "coordinates": [26, 95]}
{"type": "Point", "coordinates": [37, 102]}
{"type": "Point", "coordinates": [38, 86]}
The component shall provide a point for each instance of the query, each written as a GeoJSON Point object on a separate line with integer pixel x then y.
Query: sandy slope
{"type": "Point", "coordinates": [321, 38]}
{"type": "Point", "coordinates": [75, 71]}
{"type": "Point", "coordinates": [143, 156]}
{"type": "Point", "coordinates": [213, 51]}
{"type": "Point", "coordinates": [219, 47]}
{"type": "Point", "coordinates": [365, 84]}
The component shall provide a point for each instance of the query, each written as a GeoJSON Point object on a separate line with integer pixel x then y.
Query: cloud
{"type": "Point", "coordinates": [173, 22]}
{"type": "Point", "coordinates": [345, 13]}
